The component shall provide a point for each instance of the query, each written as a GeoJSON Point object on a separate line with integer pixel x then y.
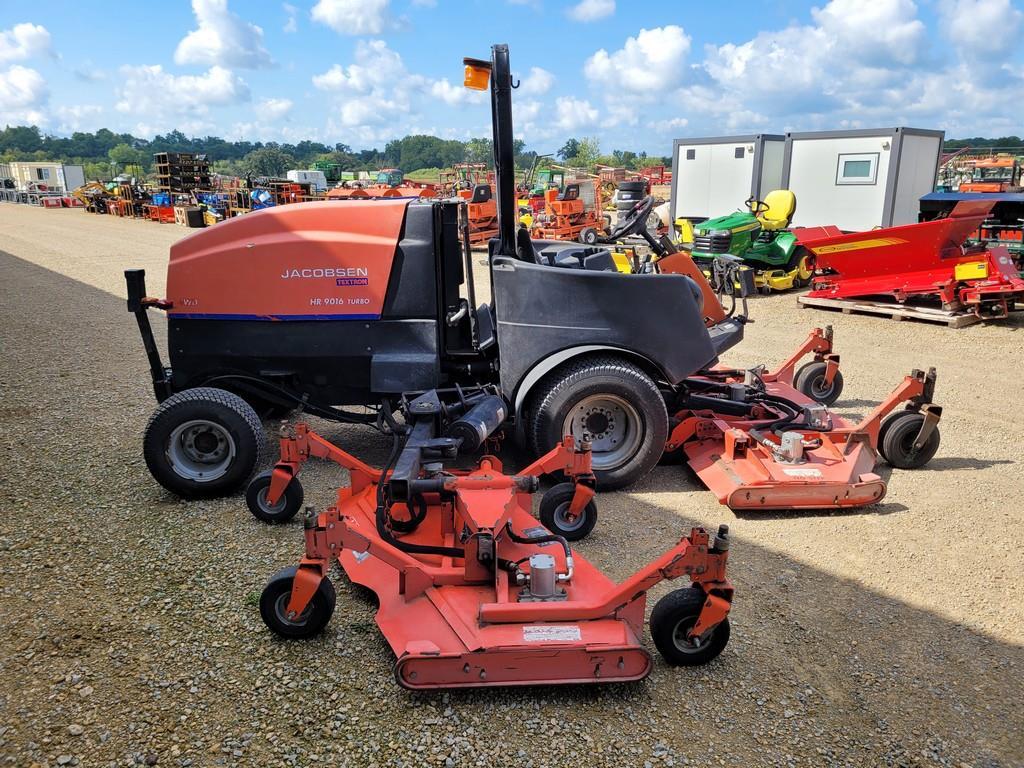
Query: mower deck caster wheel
{"type": "Point", "coordinates": [896, 441]}
{"type": "Point", "coordinates": [274, 607]}
{"type": "Point", "coordinates": [286, 507]}
{"type": "Point", "coordinates": [673, 617]}
{"type": "Point", "coordinates": [554, 513]}
{"type": "Point", "coordinates": [810, 380]}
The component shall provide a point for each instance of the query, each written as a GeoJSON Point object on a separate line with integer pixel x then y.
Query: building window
{"type": "Point", "coordinates": [857, 168]}
{"type": "Point", "coordinates": [738, 153]}
{"type": "Point", "coordinates": [691, 154]}
{"type": "Point", "coordinates": [42, 174]}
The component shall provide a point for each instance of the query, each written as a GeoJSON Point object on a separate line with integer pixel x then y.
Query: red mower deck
{"type": "Point", "coordinates": [474, 592]}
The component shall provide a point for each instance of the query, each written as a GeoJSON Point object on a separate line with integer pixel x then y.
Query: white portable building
{"type": "Point", "coordinates": [860, 179]}
{"type": "Point", "coordinates": [315, 178]}
{"type": "Point", "coordinates": [713, 176]}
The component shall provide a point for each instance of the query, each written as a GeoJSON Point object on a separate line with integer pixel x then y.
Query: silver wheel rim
{"type": "Point", "coordinates": [611, 424]}
{"type": "Point", "coordinates": [281, 609]}
{"type": "Point", "coordinates": [200, 450]}
{"type": "Point", "coordinates": [563, 521]}
{"type": "Point", "coordinates": [266, 506]}
{"type": "Point", "coordinates": [680, 640]}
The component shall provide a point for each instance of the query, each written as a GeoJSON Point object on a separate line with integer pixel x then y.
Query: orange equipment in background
{"type": "Point", "coordinates": [482, 212]}
{"type": "Point", "coordinates": [566, 217]}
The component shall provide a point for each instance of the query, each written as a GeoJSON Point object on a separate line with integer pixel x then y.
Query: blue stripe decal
{"type": "Point", "coordinates": [268, 318]}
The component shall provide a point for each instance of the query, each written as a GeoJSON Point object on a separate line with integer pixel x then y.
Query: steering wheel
{"type": "Point", "coordinates": [757, 207]}
{"type": "Point", "coordinates": [635, 222]}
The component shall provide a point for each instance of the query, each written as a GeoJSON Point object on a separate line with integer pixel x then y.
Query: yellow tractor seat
{"type": "Point", "coordinates": [781, 207]}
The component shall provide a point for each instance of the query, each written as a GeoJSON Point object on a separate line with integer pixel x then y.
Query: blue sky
{"type": "Point", "coordinates": [633, 74]}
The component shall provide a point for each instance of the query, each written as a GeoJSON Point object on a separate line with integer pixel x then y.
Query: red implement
{"type": "Point", "coordinates": [746, 445]}
{"type": "Point", "coordinates": [474, 592]}
{"type": "Point", "coordinates": [929, 259]}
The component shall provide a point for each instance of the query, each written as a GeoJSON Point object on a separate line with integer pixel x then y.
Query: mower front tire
{"type": "Point", "coordinates": [203, 442]}
{"type": "Point", "coordinates": [610, 402]}
{"type": "Point", "coordinates": [672, 619]}
{"type": "Point", "coordinates": [810, 380]}
{"type": "Point", "coordinates": [554, 513]}
{"type": "Point", "coordinates": [898, 434]}
{"type": "Point", "coordinates": [286, 507]}
{"type": "Point", "coordinates": [274, 604]}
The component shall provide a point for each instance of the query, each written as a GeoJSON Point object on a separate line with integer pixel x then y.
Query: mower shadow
{"type": "Point", "coordinates": [961, 462]}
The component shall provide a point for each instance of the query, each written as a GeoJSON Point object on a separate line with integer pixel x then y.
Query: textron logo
{"type": "Point", "coordinates": [338, 272]}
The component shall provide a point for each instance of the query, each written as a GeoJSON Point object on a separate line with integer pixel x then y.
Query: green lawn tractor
{"type": "Point", "coordinates": [759, 236]}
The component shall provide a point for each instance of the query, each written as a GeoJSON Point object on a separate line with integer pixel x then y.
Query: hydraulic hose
{"type": "Point", "coordinates": [546, 538]}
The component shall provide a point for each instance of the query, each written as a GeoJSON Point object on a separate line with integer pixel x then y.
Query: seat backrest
{"type": "Point", "coordinates": [571, 192]}
{"type": "Point", "coordinates": [781, 207]}
{"type": "Point", "coordinates": [481, 193]}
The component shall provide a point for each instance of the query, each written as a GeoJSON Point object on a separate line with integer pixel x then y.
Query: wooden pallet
{"type": "Point", "coordinates": [945, 317]}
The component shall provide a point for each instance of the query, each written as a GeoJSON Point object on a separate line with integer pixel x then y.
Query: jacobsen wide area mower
{"type": "Point", "coordinates": [471, 591]}
{"type": "Point", "coordinates": [325, 305]}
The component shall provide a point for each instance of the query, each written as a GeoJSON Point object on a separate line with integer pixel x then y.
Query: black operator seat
{"type": "Point", "coordinates": [570, 192]}
{"type": "Point", "coordinates": [481, 193]}
{"type": "Point", "coordinates": [556, 253]}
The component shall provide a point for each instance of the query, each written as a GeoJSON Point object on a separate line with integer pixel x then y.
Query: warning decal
{"type": "Point", "coordinates": [551, 634]}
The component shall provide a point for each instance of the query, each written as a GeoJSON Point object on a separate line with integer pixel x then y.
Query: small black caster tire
{"type": "Point", "coordinates": [887, 423]}
{"type": "Point", "coordinates": [554, 508]}
{"type": "Point", "coordinates": [286, 507]}
{"type": "Point", "coordinates": [810, 379]}
{"type": "Point", "coordinates": [274, 601]}
{"type": "Point", "coordinates": [674, 616]}
{"type": "Point", "coordinates": [897, 445]}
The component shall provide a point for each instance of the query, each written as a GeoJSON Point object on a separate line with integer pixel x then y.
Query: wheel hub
{"type": "Point", "coordinates": [200, 450]}
{"type": "Point", "coordinates": [611, 424]}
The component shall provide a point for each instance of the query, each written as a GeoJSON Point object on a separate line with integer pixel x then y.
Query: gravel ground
{"type": "Point", "coordinates": [893, 635]}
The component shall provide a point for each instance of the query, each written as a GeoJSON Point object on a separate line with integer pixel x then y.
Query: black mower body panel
{"type": "Point", "coordinates": [544, 310]}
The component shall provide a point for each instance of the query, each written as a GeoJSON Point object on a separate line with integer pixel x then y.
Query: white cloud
{"type": "Point", "coordinates": [880, 32]}
{"type": "Point", "coordinates": [291, 25]}
{"type": "Point", "coordinates": [182, 99]}
{"type": "Point", "coordinates": [537, 83]}
{"type": "Point", "coordinates": [223, 38]}
{"type": "Point", "coordinates": [23, 41]}
{"type": "Point", "coordinates": [79, 117]}
{"type": "Point", "coordinates": [648, 64]}
{"type": "Point", "coordinates": [353, 17]}
{"type": "Point", "coordinates": [274, 109]}
{"type": "Point", "coordinates": [985, 27]}
{"type": "Point", "coordinates": [591, 10]}
{"type": "Point", "coordinates": [573, 114]}
{"type": "Point", "coordinates": [455, 95]}
{"type": "Point", "coordinates": [376, 66]}
{"type": "Point", "coordinates": [22, 87]}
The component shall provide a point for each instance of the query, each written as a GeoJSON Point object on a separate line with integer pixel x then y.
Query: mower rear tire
{"type": "Point", "coordinates": [274, 603]}
{"type": "Point", "coordinates": [673, 617]}
{"type": "Point", "coordinates": [897, 445]}
{"type": "Point", "coordinates": [203, 442]}
{"type": "Point", "coordinates": [810, 379]}
{"type": "Point", "coordinates": [588, 236]}
{"type": "Point", "coordinates": [554, 513]}
{"type": "Point", "coordinates": [286, 507]}
{"type": "Point", "coordinates": [610, 402]}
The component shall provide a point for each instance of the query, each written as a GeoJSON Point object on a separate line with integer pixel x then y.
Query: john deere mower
{"type": "Point", "coordinates": [759, 236]}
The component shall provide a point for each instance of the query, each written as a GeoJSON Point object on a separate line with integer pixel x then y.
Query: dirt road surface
{"type": "Point", "coordinates": [892, 635]}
